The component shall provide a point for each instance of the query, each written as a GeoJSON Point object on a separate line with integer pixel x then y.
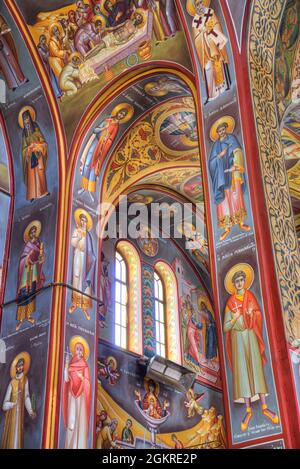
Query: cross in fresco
{"type": "Point", "coordinates": [207, 15]}
{"type": "Point", "coordinates": [197, 22]}
{"type": "Point", "coordinates": [236, 309]}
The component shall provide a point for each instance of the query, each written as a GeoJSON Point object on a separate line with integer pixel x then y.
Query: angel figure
{"type": "Point", "coordinates": [193, 403]}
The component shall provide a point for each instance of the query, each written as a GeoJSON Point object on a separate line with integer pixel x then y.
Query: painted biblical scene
{"type": "Point", "coordinates": [4, 168]}
{"type": "Point", "coordinates": [199, 334]}
{"type": "Point", "coordinates": [254, 407]}
{"type": "Point", "coordinates": [22, 397]}
{"type": "Point", "coordinates": [146, 414]}
{"type": "Point", "coordinates": [85, 45]}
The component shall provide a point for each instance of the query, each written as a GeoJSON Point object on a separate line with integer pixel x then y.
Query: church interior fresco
{"type": "Point", "coordinates": [111, 100]}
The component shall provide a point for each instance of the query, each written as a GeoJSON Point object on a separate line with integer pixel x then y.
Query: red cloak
{"type": "Point", "coordinates": [251, 321]}
{"type": "Point", "coordinates": [77, 386]}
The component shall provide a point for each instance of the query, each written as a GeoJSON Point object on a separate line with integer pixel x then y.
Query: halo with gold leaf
{"type": "Point", "coordinates": [205, 300]}
{"type": "Point", "coordinates": [73, 55]}
{"type": "Point", "coordinates": [78, 213]}
{"type": "Point", "coordinates": [249, 272]}
{"type": "Point", "coordinates": [150, 89]}
{"type": "Point", "coordinates": [21, 356]}
{"type": "Point", "coordinates": [140, 11]}
{"type": "Point", "coordinates": [101, 19]}
{"type": "Point", "coordinates": [57, 25]}
{"type": "Point", "coordinates": [191, 9]}
{"type": "Point", "coordinates": [37, 224]}
{"type": "Point", "coordinates": [226, 120]}
{"type": "Point", "coordinates": [187, 229]}
{"type": "Point", "coordinates": [103, 9]}
{"type": "Point", "coordinates": [77, 339]}
{"type": "Point", "coordinates": [113, 361]}
{"type": "Point", "coordinates": [123, 106]}
{"type": "Point", "coordinates": [146, 386]}
{"type": "Point", "coordinates": [26, 109]}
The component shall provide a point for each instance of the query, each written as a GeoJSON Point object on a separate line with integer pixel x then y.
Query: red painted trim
{"type": "Point", "coordinates": [270, 293]}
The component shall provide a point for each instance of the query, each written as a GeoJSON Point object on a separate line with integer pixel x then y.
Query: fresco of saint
{"type": "Point", "coordinates": [34, 155]}
{"type": "Point", "coordinates": [99, 145]}
{"type": "Point", "coordinates": [77, 395]}
{"type": "Point", "coordinates": [150, 403]}
{"type": "Point", "coordinates": [226, 167]}
{"type": "Point", "coordinates": [210, 44]}
{"type": "Point", "coordinates": [16, 400]}
{"type": "Point", "coordinates": [30, 273]}
{"type": "Point", "coordinates": [245, 347]}
{"type": "Point", "coordinates": [9, 65]}
{"type": "Point", "coordinates": [84, 263]}
{"type": "Point", "coordinates": [105, 290]}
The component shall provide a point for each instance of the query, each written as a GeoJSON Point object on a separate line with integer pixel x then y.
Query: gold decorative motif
{"type": "Point", "coordinates": [264, 25]}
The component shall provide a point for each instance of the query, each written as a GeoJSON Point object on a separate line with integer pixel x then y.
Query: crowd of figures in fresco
{"type": "Point", "coordinates": [81, 41]}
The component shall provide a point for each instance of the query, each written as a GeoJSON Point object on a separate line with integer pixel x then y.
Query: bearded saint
{"type": "Point", "coordinates": [210, 45]}
{"type": "Point", "coordinates": [34, 155]}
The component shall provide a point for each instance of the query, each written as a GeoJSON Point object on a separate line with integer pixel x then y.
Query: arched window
{"type": "Point", "coordinates": [160, 316]}
{"type": "Point", "coordinates": [121, 298]}
{"type": "Point", "coordinates": [166, 287]}
{"type": "Point", "coordinates": [128, 309]}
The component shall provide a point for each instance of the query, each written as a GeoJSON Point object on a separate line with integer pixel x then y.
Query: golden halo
{"type": "Point", "coordinates": [190, 6]}
{"type": "Point", "coordinates": [77, 339]}
{"type": "Point", "coordinates": [228, 120]}
{"type": "Point", "coordinates": [205, 300]}
{"type": "Point", "coordinates": [26, 357]}
{"type": "Point", "coordinates": [236, 268]}
{"type": "Point", "coordinates": [149, 89]}
{"type": "Point", "coordinates": [113, 361]}
{"type": "Point", "coordinates": [58, 25]}
{"type": "Point", "coordinates": [123, 106]}
{"type": "Point", "coordinates": [38, 226]}
{"type": "Point", "coordinates": [146, 386]}
{"type": "Point", "coordinates": [31, 112]}
{"type": "Point", "coordinates": [80, 212]}
{"type": "Point", "coordinates": [186, 229]}
{"type": "Point", "coordinates": [142, 13]}
{"type": "Point", "coordinates": [101, 19]}
{"type": "Point", "coordinates": [103, 9]}
{"type": "Point", "coordinates": [75, 54]}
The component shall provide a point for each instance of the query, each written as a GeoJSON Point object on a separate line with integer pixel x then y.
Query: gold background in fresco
{"type": "Point", "coordinates": [264, 24]}
{"type": "Point", "coordinates": [132, 160]}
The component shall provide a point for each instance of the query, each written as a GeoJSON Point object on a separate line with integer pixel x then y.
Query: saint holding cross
{"type": "Point", "coordinates": [245, 347]}
{"type": "Point", "coordinates": [210, 43]}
